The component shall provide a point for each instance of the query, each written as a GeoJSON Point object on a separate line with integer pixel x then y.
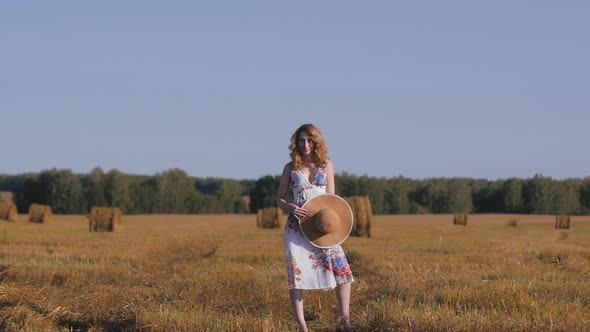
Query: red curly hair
{"type": "Point", "coordinates": [320, 151]}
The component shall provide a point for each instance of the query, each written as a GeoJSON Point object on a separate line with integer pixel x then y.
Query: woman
{"type": "Point", "coordinates": [311, 173]}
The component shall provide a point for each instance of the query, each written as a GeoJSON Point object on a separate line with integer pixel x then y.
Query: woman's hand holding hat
{"type": "Point", "coordinates": [299, 212]}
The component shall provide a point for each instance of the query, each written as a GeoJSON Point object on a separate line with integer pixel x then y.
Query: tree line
{"type": "Point", "coordinates": [401, 195]}
{"type": "Point", "coordinates": [174, 191]}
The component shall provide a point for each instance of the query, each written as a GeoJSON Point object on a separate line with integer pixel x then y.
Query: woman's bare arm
{"type": "Point", "coordinates": [331, 188]}
{"type": "Point", "coordinates": [284, 187]}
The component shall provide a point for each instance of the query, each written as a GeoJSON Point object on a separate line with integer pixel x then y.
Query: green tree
{"type": "Point", "coordinates": [585, 195]}
{"type": "Point", "coordinates": [35, 190]}
{"type": "Point", "coordinates": [117, 191]}
{"type": "Point", "coordinates": [487, 196]}
{"type": "Point", "coordinates": [377, 188]}
{"type": "Point", "coordinates": [567, 197]}
{"type": "Point", "coordinates": [146, 198]}
{"type": "Point", "coordinates": [446, 195]}
{"type": "Point", "coordinates": [265, 193]}
{"type": "Point", "coordinates": [513, 201]}
{"type": "Point", "coordinates": [459, 196]}
{"type": "Point", "coordinates": [60, 189]}
{"type": "Point", "coordinates": [207, 204]}
{"type": "Point", "coordinates": [347, 185]}
{"type": "Point", "coordinates": [175, 191]}
{"type": "Point", "coordinates": [95, 191]}
{"type": "Point", "coordinates": [539, 195]}
{"type": "Point", "coordinates": [435, 196]}
{"type": "Point", "coordinates": [396, 197]}
{"type": "Point", "coordinates": [229, 195]}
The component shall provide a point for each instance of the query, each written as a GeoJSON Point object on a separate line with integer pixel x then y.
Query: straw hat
{"type": "Point", "coordinates": [329, 220]}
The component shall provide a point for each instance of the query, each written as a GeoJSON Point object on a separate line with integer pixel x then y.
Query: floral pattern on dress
{"type": "Point", "coordinates": [320, 260]}
{"type": "Point", "coordinates": [309, 267]}
{"type": "Point", "coordinates": [341, 266]}
{"type": "Point", "coordinates": [303, 190]}
{"type": "Point", "coordinates": [320, 178]}
{"type": "Point", "coordinates": [294, 272]}
{"type": "Point", "coordinates": [330, 260]}
{"type": "Point", "coordinates": [293, 224]}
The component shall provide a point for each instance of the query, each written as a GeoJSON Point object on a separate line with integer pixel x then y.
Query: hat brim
{"type": "Point", "coordinates": [341, 233]}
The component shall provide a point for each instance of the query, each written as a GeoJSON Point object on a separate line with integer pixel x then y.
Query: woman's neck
{"type": "Point", "coordinates": [308, 160]}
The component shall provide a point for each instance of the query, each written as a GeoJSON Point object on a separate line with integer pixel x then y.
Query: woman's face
{"type": "Point", "coordinates": [305, 144]}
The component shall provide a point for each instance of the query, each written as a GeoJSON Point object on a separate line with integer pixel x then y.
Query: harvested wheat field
{"type": "Point", "coordinates": [222, 273]}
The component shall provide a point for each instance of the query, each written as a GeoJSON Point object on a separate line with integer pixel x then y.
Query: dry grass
{"type": "Point", "coordinates": [362, 215]}
{"type": "Point", "coordinates": [222, 273]}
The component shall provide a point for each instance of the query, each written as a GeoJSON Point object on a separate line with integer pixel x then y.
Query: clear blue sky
{"type": "Point", "coordinates": [422, 89]}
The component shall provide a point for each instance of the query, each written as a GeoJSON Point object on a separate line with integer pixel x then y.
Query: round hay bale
{"type": "Point", "coordinates": [280, 218]}
{"type": "Point", "coordinates": [6, 197]}
{"type": "Point", "coordinates": [512, 223]}
{"type": "Point", "coordinates": [268, 218]}
{"type": "Point", "coordinates": [362, 214]}
{"type": "Point", "coordinates": [460, 219]}
{"type": "Point", "coordinates": [272, 217]}
{"type": "Point", "coordinates": [39, 214]}
{"type": "Point", "coordinates": [105, 219]}
{"type": "Point", "coordinates": [8, 212]}
{"type": "Point", "coordinates": [259, 219]}
{"type": "Point", "coordinates": [562, 222]}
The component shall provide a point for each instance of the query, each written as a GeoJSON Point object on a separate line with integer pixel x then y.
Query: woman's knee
{"type": "Point", "coordinates": [296, 294]}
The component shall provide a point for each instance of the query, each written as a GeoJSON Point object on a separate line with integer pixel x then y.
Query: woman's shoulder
{"type": "Point", "coordinates": [288, 167]}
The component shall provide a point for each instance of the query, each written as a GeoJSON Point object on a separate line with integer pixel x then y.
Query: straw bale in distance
{"type": "Point", "coordinates": [259, 219]}
{"type": "Point", "coordinates": [6, 197]}
{"type": "Point", "coordinates": [105, 219]}
{"type": "Point", "coordinates": [280, 218]}
{"type": "Point", "coordinates": [272, 217]}
{"type": "Point", "coordinates": [8, 212]}
{"type": "Point", "coordinates": [460, 219]}
{"type": "Point", "coordinates": [39, 214]}
{"type": "Point", "coordinates": [362, 214]}
{"type": "Point", "coordinates": [512, 223]}
{"type": "Point", "coordinates": [562, 222]}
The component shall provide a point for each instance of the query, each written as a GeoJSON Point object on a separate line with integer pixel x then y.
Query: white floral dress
{"type": "Point", "coordinates": [309, 267]}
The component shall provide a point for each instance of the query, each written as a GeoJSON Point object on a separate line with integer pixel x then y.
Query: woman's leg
{"type": "Point", "coordinates": [296, 296]}
{"type": "Point", "coordinates": [343, 296]}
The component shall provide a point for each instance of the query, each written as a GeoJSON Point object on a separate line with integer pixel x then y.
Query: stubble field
{"type": "Point", "coordinates": [221, 273]}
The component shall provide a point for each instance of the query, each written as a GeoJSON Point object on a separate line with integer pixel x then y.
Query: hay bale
{"type": "Point", "coordinates": [259, 219]}
{"type": "Point", "coordinates": [562, 222]}
{"type": "Point", "coordinates": [105, 219]}
{"type": "Point", "coordinates": [362, 214]}
{"type": "Point", "coordinates": [8, 212]}
{"type": "Point", "coordinates": [272, 217]}
{"type": "Point", "coordinates": [460, 219]}
{"type": "Point", "coordinates": [39, 214]}
{"type": "Point", "coordinates": [6, 197]}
